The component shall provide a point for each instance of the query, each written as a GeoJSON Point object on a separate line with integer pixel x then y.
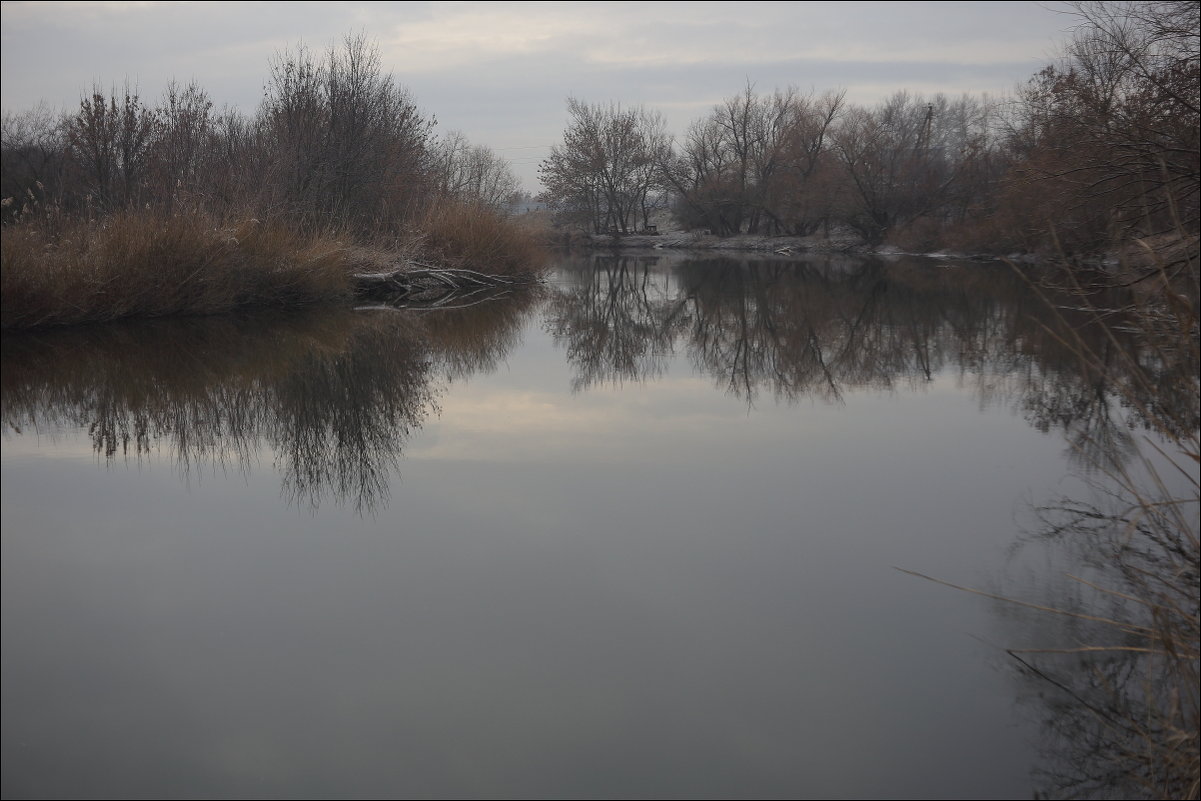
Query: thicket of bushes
{"type": "Point", "coordinates": [1101, 146]}
{"type": "Point", "coordinates": [121, 208]}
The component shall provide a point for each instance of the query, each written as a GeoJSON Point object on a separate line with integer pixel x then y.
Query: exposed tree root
{"type": "Point", "coordinates": [418, 284]}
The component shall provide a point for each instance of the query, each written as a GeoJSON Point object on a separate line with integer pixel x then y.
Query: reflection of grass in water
{"type": "Point", "coordinates": [476, 337]}
{"type": "Point", "coordinates": [1118, 683]}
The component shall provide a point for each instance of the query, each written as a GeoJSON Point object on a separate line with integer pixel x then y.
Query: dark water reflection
{"type": "Point", "coordinates": [822, 327]}
{"type": "Point", "coordinates": [333, 395]}
{"type": "Point", "coordinates": [632, 536]}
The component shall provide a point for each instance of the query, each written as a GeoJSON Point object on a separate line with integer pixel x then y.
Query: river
{"type": "Point", "coordinates": [635, 535]}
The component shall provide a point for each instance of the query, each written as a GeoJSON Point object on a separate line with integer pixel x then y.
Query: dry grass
{"type": "Point", "coordinates": [476, 237]}
{"type": "Point", "coordinates": [1121, 687]}
{"type": "Point", "coordinates": [147, 264]}
{"type": "Point", "coordinates": [1148, 532]}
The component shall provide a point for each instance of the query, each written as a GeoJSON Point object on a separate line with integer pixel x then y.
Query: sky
{"type": "Point", "coordinates": [501, 72]}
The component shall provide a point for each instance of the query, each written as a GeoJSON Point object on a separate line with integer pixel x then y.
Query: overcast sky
{"type": "Point", "coordinates": [500, 72]}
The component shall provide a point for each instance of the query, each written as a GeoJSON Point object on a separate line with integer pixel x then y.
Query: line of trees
{"type": "Point", "coordinates": [1103, 144]}
{"type": "Point", "coordinates": [335, 143]}
{"type": "Point", "coordinates": [779, 163]}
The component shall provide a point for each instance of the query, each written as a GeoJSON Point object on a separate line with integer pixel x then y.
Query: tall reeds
{"type": "Point", "coordinates": [1119, 680]}
{"type": "Point", "coordinates": [142, 263]}
{"type": "Point", "coordinates": [1122, 688]}
{"type": "Point", "coordinates": [1138, 679]}
{"type": "Point", "coordinates": [473, 235]}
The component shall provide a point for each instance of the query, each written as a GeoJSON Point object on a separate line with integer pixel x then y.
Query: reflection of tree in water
{"type": "Point", "coordinates": [817, 328]}
{"type": "Point", "coordinates": [335, 394]}
{"type": "Point", "coordinates": [338, 421]}
{"type": "Point", "coordinates": [619, 321]}
{"type": "Point", "coordinates": [800, 329]}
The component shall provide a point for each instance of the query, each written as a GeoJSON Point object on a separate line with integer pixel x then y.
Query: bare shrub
{"type": "Point", "coordinates": [109, 140]}
{"type": "Point", "coordinates": [31, 161]}
{"type": "Point", "coordinates": [345, 143]}
{"type": "Point", "coordinates": [474, 173]}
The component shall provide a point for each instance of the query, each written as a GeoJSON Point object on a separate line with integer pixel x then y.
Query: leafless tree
{"type": "Point", "coordinates": [751, 165]}
{"type": "Point", "coordinates": [348, 144]}
{"type": "Point", "coordinates": [31, 159]}
{"type": "Point", "coordinates": [1109, 136]}
{"type": "Point", "coordinates": [109, 139]}
{"type": "Point", "coordinates": [910, 158]}
{"type": "Point", "coordinates": [605, 173]}
{"type": "Point", "coordinates": [184, 128]}
{"type": "Point", "coordinates": [474, 172]}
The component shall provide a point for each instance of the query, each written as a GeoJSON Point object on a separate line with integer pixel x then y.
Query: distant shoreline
{"type": "Point", "coordinates": [839, 243]}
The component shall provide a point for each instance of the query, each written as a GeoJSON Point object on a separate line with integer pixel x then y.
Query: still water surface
{"type": "Point", "coordinates": [634, 537]}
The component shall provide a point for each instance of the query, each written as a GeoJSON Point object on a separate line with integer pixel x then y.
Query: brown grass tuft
{"type": "Point", "coordinates": [476, 237]}
{"type": "Point", "coordinates": [150, 264]}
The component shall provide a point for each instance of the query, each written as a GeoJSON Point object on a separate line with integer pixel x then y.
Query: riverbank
{"type": "Point", "coordinates": [841, 241]}
{"type": "Point", "coordinates": [1128, 260]}
{"type": "Point", "coordinates": [145, 263]}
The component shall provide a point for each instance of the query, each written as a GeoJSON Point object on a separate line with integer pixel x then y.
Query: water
{"type": "Point", "coordinates": [635, 537]}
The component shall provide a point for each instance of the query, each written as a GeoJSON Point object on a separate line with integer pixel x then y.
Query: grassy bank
{"type": "Point", "coordinates": [476, 237]}
{"type": "Point", "coordinates": [146, 263]}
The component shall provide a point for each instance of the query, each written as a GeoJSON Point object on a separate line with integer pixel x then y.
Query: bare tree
{"type": "Point", "coordinates": [184, 128]}
{"type": "Point", "coordinates": [903, 159]}
{"type": "Point", "coordinates": [798, 194]}
{"type": "Point", "coordinates": [234, 162]}
{"type": "Point", "coordinates": [474, 172]}
{"type": "Point", "coordinates": [31, 159]}
{"type": "Point", "coordinates": [605, 172]}
{"type": "Point", "coordinates": [109, 139]}
{"type": "Point", "coordinates": [1109, 137]}
{"type": "Point", "coordinates": [751, 164]}
{"type": "Point", "coordinates": [348, 144]}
